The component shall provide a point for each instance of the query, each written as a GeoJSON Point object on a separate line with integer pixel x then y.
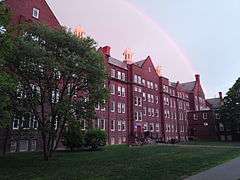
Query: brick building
{"type": "Point", "coordinates": [142, 102]}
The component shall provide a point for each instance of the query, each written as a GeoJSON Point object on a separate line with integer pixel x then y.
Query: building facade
{"type": "Point", "coordinates": [142, 102]}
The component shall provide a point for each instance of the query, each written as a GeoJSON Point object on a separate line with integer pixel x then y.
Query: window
{"type": "Point", "coordinates": [152, 98]}
{"type": "Point", "coordinates": [156, 87]}
{"type": "Point", "coordinates": [35, 123]}
{"type": "Point", "coordinates": [13, 146]}
{"type": "Point", "coordinates": [151, 85]}
{"type": "Point", "coordinates": [143, 82]}
{"type": "Point", "coordinates": [113, 106]}
{"type": "Point", "coordinates": [156, 99]}
{"type": "Point", "coordinates": [221, 127]}
{"type": "Point", "coordinates": [139, 101]}
{"type": "Point", "coordinates": [112, 140]}
{"type": "Point", "coordinates": [23, 145]}
{"type": "Point", "coordinates": [123, 76]}
{"type": "Point", "coordinates": [151, 127]}
{"type": "Point", "coordinates": [217, 116]}
{"type": "Point", "coordinates": [113, 73]}
{"type": "Point", "coordinates": [123, 126]}
{"type": "Point", "coordinates": [123, 92]}
{"type": "Point", "coordinates": [112, 88]}
{"type": "Point", "coordinates": [144, 111]}
{"type": "Point", "coordinates": [205, 124]}
{"type": "Point", "coordinates": [140, 116]}
{"type": "Point", "coordinates": [123, 108]}
{"type": "Point", "coordinates": [195, 117]}
{"type": "Point", "coordinates": [157, 127]}
{"type": "Point", "coordinates": [145, 127]}
{"type": "Point", "coordinates": [35, 13]}
{"type": "Point", "coordinates": [15, 123]}
{"type": "Point", "coordinates": [136, 101]}
{"type": "Point", "coordinates": [119, 91]}
{"type": "Point", "coordinates": [119, 125]}
{"type": "Point", "coordinates": [139, 80]}
{"type": "Point", "coordinates": [153, 112]}
{"type": "Point", "coordinates": [135, 78]}
{"type": "Point", "coordinates": [101, 124]}
{"type": "Point", "coordinates": [55, 96]}
{"type": "Point", "coordinates": [149, 97]}
{"type": "Point", "coordinates": [157, 113]}
{"type": "Point", "coordinates": [204, 115]}
{"type": "Point", "coordinates": [119, 107]}
{"type": "Point", "coordinates": [26, 121]}
{"type": "Point", "coordinates": [103, 108]}
{"type": "Point", "coordinates": [144, 96]}
{"type": "Point", "coordinates": [112, 125]}
{"type": "Point", "coordinates": [148, 84]}
{"type": "Point", "coordinates": [33, 145]}
{"type": "Point", "coordinates": [119, 75]}
{"type": "Point", "coordinates": [97, 107]}
{"type": "Point", "coordinates": [149, 112]}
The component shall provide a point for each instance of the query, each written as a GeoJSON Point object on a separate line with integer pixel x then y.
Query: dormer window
{"type": "Point", "coordinates": [35, 13]}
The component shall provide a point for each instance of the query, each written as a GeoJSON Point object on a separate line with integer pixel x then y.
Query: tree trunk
{"type": "Point", "coordinates": [45, 151]}
{"type": "Point", "coordinates": [7, 133]}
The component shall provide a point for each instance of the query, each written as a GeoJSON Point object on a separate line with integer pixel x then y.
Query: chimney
{"type": "Point", "coordinates": [158, 70]}
{"type": "Point", "coordinates": [221, 98]}
{"type": "Point", "coordinates": [80, 32]}
{"type": "Point", "coordinates": [107, 50]}
{"type": "Point", "coordinates": [197, 77]}
{"type": "Point", "coordinates": [128, 56]}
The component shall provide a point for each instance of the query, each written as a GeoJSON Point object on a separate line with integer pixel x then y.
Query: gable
{"type": "Point", "coordinates": [22, 10]}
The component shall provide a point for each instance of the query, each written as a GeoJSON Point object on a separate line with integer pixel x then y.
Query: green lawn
{"type": "Point", "coordinates": [116, 162]}
{"type": "Point", "coordinates": [212, 143]}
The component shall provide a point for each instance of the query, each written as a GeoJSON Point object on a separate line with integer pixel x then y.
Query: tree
{"type": "Point", "coordinates": [7, 82]}
{"type": "Point", "coordinates": [60, 77]}
{"type": "Point", "coordinates": [95, 138]}
{"type": "Point", "coordinates": [73, 135]}
{"type": "Point", "coordinates": [230, 111]}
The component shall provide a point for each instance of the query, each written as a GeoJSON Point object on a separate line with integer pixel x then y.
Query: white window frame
{"type": "Point", "coordinates": [37, 11]}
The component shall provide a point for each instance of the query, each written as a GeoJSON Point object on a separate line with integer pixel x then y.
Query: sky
{"type": "Point", "coordinates": [185, 37]}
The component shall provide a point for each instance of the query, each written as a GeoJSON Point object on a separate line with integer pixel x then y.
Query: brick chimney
{"type": "Point", "coordinates": [106, 50]}
{"type": "Point", "coordinates": [80, 32]}
{"type": "Point", "coordinates": [221, 98]}
{"type": "Point", "coordinates": [197, 77]}
{"type": "Point", "coordinates": [159, 71]}
{"type": "Point", "coordinates": [128, 56]}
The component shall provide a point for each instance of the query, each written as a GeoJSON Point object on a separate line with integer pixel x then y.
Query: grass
{"type": "Point", "coordinates": [212, 143]}
{"type": "Point", "coordinates": [116, 162]}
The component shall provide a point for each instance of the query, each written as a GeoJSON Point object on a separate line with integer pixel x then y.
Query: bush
{"type": "Point", "coordinates": [95, 138]}
{"type": "Point", "coordinates": [73, 136]}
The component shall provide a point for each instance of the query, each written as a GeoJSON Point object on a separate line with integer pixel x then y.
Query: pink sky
{"type": "Point", "coordinates": [120, 24]}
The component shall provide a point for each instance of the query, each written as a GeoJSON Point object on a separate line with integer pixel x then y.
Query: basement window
{"type": "Point", "coordinates": [36, 13]}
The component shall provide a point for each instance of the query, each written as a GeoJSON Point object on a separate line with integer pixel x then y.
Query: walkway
{"type": "Point", "coordinates": [226, 171]}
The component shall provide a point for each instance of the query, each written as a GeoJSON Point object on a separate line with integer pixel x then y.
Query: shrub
{"type": "Point", "coordinates": [95, 138]}
{"type": "Point", "coordinates": [73, 136]}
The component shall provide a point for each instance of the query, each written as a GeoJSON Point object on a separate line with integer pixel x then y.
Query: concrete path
{"type": "Point", "coordinates": [226, 171]}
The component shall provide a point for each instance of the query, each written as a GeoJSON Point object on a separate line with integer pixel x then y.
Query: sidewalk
{"type": "Point", "coordinates": [226, 171]}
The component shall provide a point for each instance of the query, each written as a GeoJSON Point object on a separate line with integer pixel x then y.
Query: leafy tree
{"type": "Point", "coordinates": [95, 138]}
{"type": "Point", "coordinates": [73, 135]}
{"type": "Point", "coordinates": [60, 77]}
{"type": "Point", "coordinates": [230, 111]}
{"type": "Point", "coordinates": [7, 82]}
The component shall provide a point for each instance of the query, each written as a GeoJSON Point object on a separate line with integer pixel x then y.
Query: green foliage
{"type": "Point", "coordinates": [95, 138]}
{"type": "Point", "coordinates": [59, 76]}
{"type": "Point", "coordinates": [230, 111]}
{"type": "Point", "coordinates": [7, 89]}
{"type": "Point", "coordinates": [73, 136]}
